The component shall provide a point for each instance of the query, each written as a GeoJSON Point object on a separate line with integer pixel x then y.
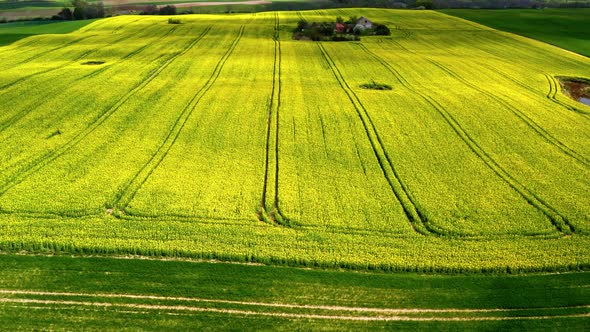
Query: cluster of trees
{"type": "Point", "coordinates": [82, 11]}
{"type": "Point", "coordinates": [154, 10]}
{"type": "Point", "coordinates": [329, 30]}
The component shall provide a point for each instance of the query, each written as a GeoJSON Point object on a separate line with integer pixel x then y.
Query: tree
{"type": "Point", "coordinates": [83, 10]}
{"type": "Point", "coordinates": [425, 3]}
{"type": "Point", "coordinates": [65, 14]}
{"type": "Point", "coordinates": [168, 10]}
{"type": "Point", "coordinates": [79, 9]}
{"type": "Point", "coordinates": [302, 24]}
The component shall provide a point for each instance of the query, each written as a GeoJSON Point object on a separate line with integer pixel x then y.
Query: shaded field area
{"type": "Point", "coordinates": [11, 32]}
{"type": "Point", "coordinates": [565, 28]}
{"type": "Point", "coordinates": [474, 160]}
{"type": "Point", "coordinates": [106, 293]}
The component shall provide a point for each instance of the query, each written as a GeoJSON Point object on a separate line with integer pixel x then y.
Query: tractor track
{"type": "Point", "coordinates": [126, 195]}
{"type": "Point", "coordinates": [557, 219]}
{"type": "Point", "coordinates": [59, 87]}
{"type": "Point", "coordinates": [273, 214]}
{"type": "Point", "coordinates": [519, 114]}
{"type": "Point", "coordinates": [415, 216]}
{"type": "Point", "coordinates": [54, 154]}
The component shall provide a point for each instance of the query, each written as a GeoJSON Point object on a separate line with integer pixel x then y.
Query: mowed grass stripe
{"type": "Point", "coordinates": [35, 106]}
{"type": "Point", "coordinates": [225, 139]}
{"type": "Point", "coordinates": [45, 160]}
{"type": "Point", "coordinates": [559, 221]}
{"type": "Point", "coordinates": [55, 89]}
{"type": "Point", "coordinates": [130, 190]}
{"type": "Point", "coordinates": [413, 214]}
{"type": "Point", "coordinates": [83, 55]}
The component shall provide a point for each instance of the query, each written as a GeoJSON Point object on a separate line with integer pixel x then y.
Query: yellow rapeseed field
{"type": "Point", "coordinates": [221, 137]}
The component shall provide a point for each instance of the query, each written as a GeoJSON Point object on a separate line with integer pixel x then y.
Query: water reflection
{"type": "Point", "coordinates": [576, 88]}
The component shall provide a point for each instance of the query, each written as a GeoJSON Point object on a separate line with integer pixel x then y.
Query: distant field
{"type": "Point", "coordinates": [29, 9]}
{"type": "Point", "coordinates": [11, 32]}
{"type": "Point", "coordinates": [109, 294]}
{"type": "Point", "coordinates": [135, 136]}
{"type": "Point", "coordinates": [566, 28]}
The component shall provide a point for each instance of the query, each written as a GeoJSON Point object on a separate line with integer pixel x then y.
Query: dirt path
{"type": "Point", "coordinates": [383, 314]}
{"type": "Point", "coordinates": [275, 314]}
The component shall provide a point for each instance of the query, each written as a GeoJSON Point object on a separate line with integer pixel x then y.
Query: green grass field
{"type": "Point", "coordinates": [183, 144]}
{"type": "Point", "coordinates": [114, 294]}
{"type": "Point", "coordinates": [566, 28]}
{"type": "Point", "coordinates": [11, 32]}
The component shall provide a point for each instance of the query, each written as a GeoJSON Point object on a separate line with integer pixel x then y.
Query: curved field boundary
{"type": "Point", "coordinates": [126, 195]}
{"type": "Point", "coordinates": [273, 215]}
{"type": "Point", "coordinates": [51, 156]}
{"type": "Point", "coordinates": [519, 114]}
{"type": "Point", "coordinates": [500, 72]}
{"type": "Point", "coordinates": [554, 88]}
{"type": "Point", "coordinates": [416, 218]}
{"type": "Point", "coordinates": [551, 95]}
{"type": "Point", "coordinates": [559, 221]}
{"type": "Point", "coordinates": [528, 87]}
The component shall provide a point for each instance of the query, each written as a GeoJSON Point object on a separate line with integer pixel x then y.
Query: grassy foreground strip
{"type": "Point", "coordinates": [110, 293]}
{"type": "Point", "coordinates": [566, 28]}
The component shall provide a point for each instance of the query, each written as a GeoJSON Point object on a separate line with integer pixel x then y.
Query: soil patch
{"type": "Point", "coordinates": [576, 88]}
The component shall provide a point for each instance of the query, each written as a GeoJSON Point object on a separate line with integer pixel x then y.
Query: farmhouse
{"type": "Point", "coordinates": [363, 23]}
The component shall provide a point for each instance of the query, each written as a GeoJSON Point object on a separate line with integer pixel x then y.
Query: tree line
{"type": "Point", "coordinates": [84, 10]}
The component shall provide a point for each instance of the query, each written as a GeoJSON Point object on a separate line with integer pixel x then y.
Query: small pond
{"type": "Point", "coordinates": [576, 88]}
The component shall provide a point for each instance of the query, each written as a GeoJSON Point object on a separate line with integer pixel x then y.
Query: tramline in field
{"type": "Point", "coordinates": [221, 137]}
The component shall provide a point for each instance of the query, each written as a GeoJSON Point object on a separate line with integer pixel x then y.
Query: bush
{"type": "Point", "coordinates": [376, 86]}
{"type": "Point", "coordinates": [168, 10]}
{"type": "Point", "coordinates": [381, 30]}
{"type": "Point", "coordinates": [173, 21]}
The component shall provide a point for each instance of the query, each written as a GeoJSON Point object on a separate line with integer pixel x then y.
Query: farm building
{"type": "Point", "coordinates": [363, 23]}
